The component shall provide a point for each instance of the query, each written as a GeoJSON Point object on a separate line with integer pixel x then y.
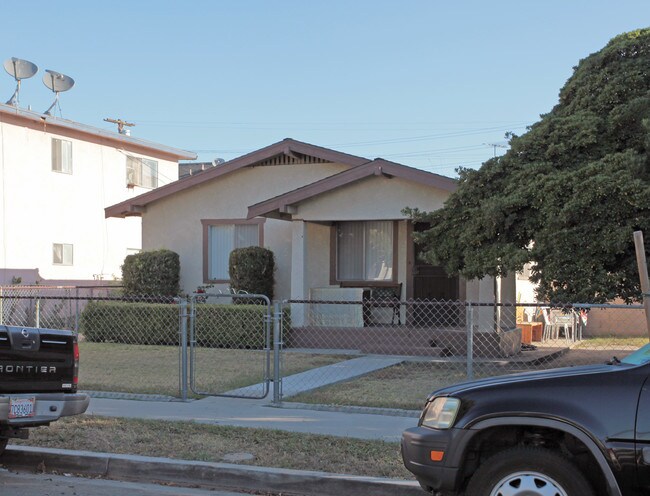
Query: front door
{"type": "Point", "coordinates": [435, 293]}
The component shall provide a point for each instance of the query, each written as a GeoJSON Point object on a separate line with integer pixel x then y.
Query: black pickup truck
{"type": "Point", "coordinates": [579, 431]}
{"type": "Point", "coordinates": [38, 379]}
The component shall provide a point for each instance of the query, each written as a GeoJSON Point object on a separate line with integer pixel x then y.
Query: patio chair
{"type": "Point", "coordinates": [550, 329]}
{"type": "Point", "coordinates": [566, 322]}
{"type": "Point", "coordinates": [556, 320]}
{"type": "Point", "coordinates": [385, 297]}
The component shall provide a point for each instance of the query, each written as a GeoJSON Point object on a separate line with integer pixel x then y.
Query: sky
{"type": "Point", "coordinates": [430, 84]}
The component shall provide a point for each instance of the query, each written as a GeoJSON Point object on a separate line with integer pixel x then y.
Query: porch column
{"type": "Point", "coordinates": [507, 293]}
{"type": "Point", "coordinates": [299, 290]}
{"type": "Point", "coordinates": [482, 291]}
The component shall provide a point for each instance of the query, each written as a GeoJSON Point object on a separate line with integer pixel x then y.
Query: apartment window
{"type": "Point", "coordinates": [61, 156]}
{"type": "Point", "coordinates": [365, 251]}
{"type": "Point", "coordinates": [62, 254]}
{"type": "Point", "coordinates": [220, 238]}
{"type": "Point", "coordinates": [141, 172]}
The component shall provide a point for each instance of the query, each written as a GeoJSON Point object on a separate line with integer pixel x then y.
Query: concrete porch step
{"type": "Point", "coordinates": [404, 350]}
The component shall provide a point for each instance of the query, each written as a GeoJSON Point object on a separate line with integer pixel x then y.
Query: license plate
{"type": "Point", "coordinates": [21, 407]}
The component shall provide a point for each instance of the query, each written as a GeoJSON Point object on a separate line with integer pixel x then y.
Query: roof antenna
{"type": "Point", "coordinates": [120, 125]}
{"type": "Point", "coordinates": [19, 69]}
{"type": "Point", "coordinates": [57, 82]}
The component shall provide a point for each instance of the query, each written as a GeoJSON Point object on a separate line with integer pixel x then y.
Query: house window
{"type": "Point", "coordinates": [61, 254]}
{"type": "Point", "coordinates": [365, 251]}
{"type": "Point", "coordinates": [220, 238]}
{"type": "Point", "coordinates": [141, 172]}
{"type": "Point", "coordinates": [61, 156]}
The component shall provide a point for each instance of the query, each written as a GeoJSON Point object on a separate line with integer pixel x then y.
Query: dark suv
{"type": "Point", "coordinates": [579, 431]}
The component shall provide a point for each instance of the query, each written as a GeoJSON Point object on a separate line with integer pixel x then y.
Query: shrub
{"type": "Point", "coordinates": [252, 270]}
{"type": "Point", "coordinates": [152, 273]}
{"type": "Point", "coordinates": [130, 323]}
{"type": "Point", "coordinates": [216, 326]}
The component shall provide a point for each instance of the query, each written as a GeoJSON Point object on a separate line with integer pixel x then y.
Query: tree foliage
{"type": "Point", "coordinates": [568, 194]}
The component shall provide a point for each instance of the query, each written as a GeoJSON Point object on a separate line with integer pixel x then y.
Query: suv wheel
{"type": "Point", "coordinates": [528, 471]}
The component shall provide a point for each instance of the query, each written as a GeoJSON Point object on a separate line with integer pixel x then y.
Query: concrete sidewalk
{"type": "Point", "coordinates": [260, 414]}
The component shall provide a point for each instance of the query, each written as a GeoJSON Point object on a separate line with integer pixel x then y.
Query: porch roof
{"type": "Point", "coordinates": [287, 148]}
{"type": "Point", "coordinates": [283, 206]}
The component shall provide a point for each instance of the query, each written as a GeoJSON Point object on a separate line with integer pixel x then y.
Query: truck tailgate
{"type": "Point", "coordinates": [36, 360]}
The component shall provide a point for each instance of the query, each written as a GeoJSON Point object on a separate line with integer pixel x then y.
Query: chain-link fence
{"type": "Point", "coordinates": [373, 353]}
{"type": "Point", "coordinates": [127, 344]}
{"type": "Point", "coordinates": [393, 353]}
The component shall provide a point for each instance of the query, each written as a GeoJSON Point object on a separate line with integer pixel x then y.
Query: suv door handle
{"type": "Point", "coordinates": [646, 456]}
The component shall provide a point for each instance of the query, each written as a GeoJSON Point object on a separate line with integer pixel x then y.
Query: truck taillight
{"type": "Point", "coordinates": [75, 373]}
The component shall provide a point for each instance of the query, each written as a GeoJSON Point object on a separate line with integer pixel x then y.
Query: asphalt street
{"type": "Point", "coordinates": [27, 484]}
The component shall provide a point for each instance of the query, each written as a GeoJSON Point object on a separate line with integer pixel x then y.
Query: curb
{"type": "Point", "coordinates": [224, 476]}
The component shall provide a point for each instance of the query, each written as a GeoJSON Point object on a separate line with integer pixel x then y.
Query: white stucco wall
{"type": "Point", "coordinates": [175, 222]}
{"type": "Point", "coordinates": [41, 207]}
{"type": "Point", "coordinates": [371, 198]}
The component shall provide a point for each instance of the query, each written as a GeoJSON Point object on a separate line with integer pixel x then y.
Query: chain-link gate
{"type": "Point", "coordinates": [230, 345]}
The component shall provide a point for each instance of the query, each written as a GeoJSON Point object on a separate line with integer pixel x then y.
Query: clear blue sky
{"type": "Point", "coordinates": [429, 84]}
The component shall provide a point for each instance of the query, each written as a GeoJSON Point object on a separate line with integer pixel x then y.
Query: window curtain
{"type": "Point", "coordinates": [365, 251]}
{"type": "Point", "coordinates": [149, 173]}
{"type": "Point", "coordinates": [225, 238]}
{"type": "Point", "coordinates": [379, 251]}
{"type": "Point", "coordinates": [66, 156]}
{"type": "Point", "coordinates": [61, 155]}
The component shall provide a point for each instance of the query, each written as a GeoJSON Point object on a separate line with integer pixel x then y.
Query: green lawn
{"type": "Point", "coordinates": [407, 385]}
{"type": "Point", "coordinates": [145, 369]}
{"type": "Point", "coordinates": [404, 386]}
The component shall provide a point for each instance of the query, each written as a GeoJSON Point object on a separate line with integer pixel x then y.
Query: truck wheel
{"type": "Point", "coordinates": [528, 471]}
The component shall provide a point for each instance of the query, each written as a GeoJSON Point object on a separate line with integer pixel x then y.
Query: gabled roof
{"type": "Point", "coordinates": [280, 206]}
{"type": "Point", "coordinates": [287, 149]}
{"type": "Point", "coordinates": [42, 122]}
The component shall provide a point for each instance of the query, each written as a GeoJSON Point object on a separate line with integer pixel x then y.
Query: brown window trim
{"type": "Point", "coordinates": [206, 223]}
{"type": "Point", "coordinates": [363, 284]}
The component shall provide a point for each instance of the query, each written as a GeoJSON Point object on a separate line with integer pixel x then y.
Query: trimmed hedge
{"type": "Point", "coordinates": [130, 323]}
{"type": "Point", "coordinates": [216, 326]}
{"type": "Point", "coordinates": [155, 272]}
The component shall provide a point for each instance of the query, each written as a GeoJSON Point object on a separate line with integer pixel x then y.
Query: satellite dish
{"type": "Point", "coordinates": [19, 69]}
{"type": "Point", "coordinates": [57, 82]}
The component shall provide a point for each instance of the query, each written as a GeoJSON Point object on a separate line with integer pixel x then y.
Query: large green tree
{"type": "Point", "coordinates": [568, 194]}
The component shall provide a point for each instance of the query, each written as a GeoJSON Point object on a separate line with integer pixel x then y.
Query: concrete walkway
{"type": "Point", "coordinates": [325, 376]}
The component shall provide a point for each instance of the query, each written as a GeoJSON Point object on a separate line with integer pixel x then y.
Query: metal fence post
{"type": "Point", "coordinates": [76, 310]}
{"type": "Point", "coordinates": [277, 347]}
{"type": "Point", "coordinates": [470, 342]}
{"type": "Point", "coordinates": [183, 332]}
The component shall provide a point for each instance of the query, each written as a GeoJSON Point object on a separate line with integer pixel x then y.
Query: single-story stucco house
{"type": "Point", "coordinates": [334, 222]}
